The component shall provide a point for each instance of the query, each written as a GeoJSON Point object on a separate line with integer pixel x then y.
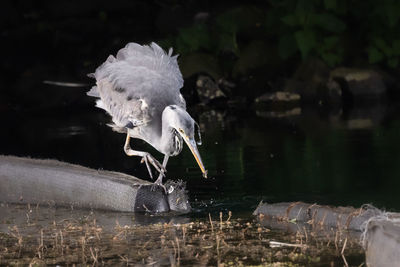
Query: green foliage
{"type": "Point", "coordinates": [330, 4]}
{"type": "Point", "coordinates": [381, 34]}
{"type": "Point", "coordinates": [315, 27]}
{"type": "Point", "coordinates": [321, 28]}
{"type": "Point", "coordinates": [336, 31]}
{"type": "Point", "coordinates": [379, 50]}
{"type": "Point", "coordinates": [287, 46]}
{"type": "Point", "coordinates": [193, 38]}
{"type": "Point", "coordinates": [305, 40]}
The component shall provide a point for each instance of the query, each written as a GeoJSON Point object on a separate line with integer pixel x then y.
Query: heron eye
{"type": "Point", "coordinates": [181, 130]}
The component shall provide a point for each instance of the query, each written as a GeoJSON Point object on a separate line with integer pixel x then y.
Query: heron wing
{"type": "Point", "coordinates": [125, 112]}
{"type": "Point", "coordinates": [138, 83]}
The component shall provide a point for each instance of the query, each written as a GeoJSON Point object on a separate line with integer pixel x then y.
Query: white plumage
{"type": "Point", "coordinates": [140, 89]}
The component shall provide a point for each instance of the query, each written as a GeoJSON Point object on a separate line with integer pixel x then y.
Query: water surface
{"type": "Point", "coordinates": [346, 157]}
{"type": "Point", "coordinates": [338, 159]}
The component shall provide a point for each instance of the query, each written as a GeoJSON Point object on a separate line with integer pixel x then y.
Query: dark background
{"type": "Point", "coordinates": [337, 144]}
{"type": "Point", "coordinates": [258, 45]}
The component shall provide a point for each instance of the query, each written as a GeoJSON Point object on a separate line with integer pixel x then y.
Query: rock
{"type": "Point", "coordinates": [359, 84]}
{"type": "Point", "coordinates": [278, 100]}
{"type": "Point", "coordinates": [226, 85]}
{"type": "Point", "coordinates": [279, 114]}
{"type": "Point", "coordinates": [359, 124]}
{"type": "Point", "coordinates": [359, 117]}
{"type": "Point", "coordinates": [255, 55]}
{"type": "Point", "coordinates": [278, 97]}
{"type": "Point", "coordinates": [334, 93]}
{"type": "Point", "coordinates": [200, 63]}
{"type": "Point", "coordinates": [317, 84]}
{"type": "Point", "coordinates": [366, 116]}
{"type": "Point", "coordinates": [207, 89]}
{"type": "Point", "coordinates": [201, 17]}
{"type": "Point", "coordinates": [309, 80]}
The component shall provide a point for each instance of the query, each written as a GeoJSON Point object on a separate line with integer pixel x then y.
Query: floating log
{"type": "Point", "coordinates": [342, 218]}
{"type": "Point", "coordinates": [34, 181]}
{"type": "Point", "coordinates": [377, 231]}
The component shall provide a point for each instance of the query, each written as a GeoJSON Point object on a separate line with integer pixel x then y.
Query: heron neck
{"type": "Point", "coordinates": [166, 141]}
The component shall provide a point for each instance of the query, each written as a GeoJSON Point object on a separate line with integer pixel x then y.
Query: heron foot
{"type": "Point", "coordinates": [149, 159]}
{"type": "Point", "coordinates": [157, 183]}
{"type": "Point", "coordinates": [146, 158]}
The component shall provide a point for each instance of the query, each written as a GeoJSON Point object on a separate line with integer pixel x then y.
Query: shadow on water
{"type": "Point", "coordinates": [337, 158]}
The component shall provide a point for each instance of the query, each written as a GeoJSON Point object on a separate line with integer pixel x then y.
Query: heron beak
{"type": "Point", "coordinates": [193, 147]}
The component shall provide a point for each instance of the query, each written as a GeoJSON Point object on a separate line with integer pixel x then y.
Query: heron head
{"type": "Point", "coordinates": [185, 126]}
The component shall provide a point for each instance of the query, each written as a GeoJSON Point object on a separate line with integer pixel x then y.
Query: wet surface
{"type": "Point", "coordinates": [43, 235]}
{"type": "Point", "coordinates": [346, 157]}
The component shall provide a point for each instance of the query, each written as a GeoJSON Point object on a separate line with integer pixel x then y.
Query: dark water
{"type": "Point", "coordinates": [347, 157]}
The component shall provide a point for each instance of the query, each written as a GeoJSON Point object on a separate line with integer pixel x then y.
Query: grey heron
{"type": "Point", "coordinates": [140, 89]}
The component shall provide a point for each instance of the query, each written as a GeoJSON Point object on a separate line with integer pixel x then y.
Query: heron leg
{"type": "Point", "coordinates": [146, 158]}
{"type": "Point", "coordinates": [160, 176]}
{"type": "Point", "coordinates": [158, 182]}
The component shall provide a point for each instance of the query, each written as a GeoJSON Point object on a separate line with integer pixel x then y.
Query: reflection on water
{"type": "Point", "coordinates": [346, 157]}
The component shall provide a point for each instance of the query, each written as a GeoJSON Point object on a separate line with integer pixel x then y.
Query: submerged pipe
{"type": "Point", "coordinates": [377, 231]}
{"type": "Point", "coordinates": [341, 218]}
{"type": "Point", "coordinates": [34, 181]}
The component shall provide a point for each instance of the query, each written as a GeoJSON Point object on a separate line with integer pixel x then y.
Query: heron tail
{"type": "Point", "coordinates": [93, 92]}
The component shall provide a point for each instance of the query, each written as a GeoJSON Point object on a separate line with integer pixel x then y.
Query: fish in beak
{"type": "Point", "coordinates": [191, 143]}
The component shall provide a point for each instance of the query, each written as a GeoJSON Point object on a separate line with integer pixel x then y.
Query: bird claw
{"type": "Point", "coordinates": [147, 158]}
{"type": "Point", "coordinates": [156, 184]}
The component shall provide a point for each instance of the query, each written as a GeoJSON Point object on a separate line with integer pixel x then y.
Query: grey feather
{"type": "Point", "coordinates": [93, 92]}
{"type": "Point", "coordinates": [140, 89]}
{"type": "Point", "coordinates": [136, 76]}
